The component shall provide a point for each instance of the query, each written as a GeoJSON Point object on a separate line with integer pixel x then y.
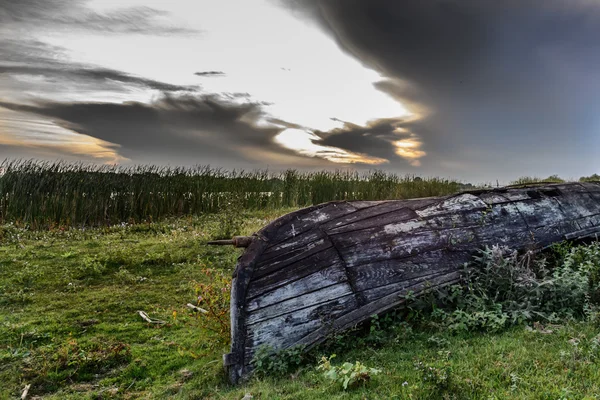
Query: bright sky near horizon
{"type": "Point", "coordinates": [422, 89]}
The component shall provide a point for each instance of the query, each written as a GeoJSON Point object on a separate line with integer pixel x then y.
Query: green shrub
{"type": "Point", "coordinates": [269, 362]}
{"type": "Point", "coordinates": [348, 375]}
{"type": "Point", "coordinates": [591, 178]}
{"type": "Point", "coordinates": [527, 180]}
{"type": "Point", "coordinates": [501, 288]}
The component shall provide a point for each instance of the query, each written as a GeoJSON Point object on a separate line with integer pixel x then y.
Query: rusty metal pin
{"type": "Point", "coordinates": [236, 241]}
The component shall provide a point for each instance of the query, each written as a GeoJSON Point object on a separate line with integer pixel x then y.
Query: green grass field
{"type": "Point", "coordinates": [69, 327]}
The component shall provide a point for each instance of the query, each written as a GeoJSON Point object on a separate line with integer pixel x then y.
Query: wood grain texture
{"type": "Point", "coordinates": [329, 267]}
{"type": "Point", "coordinates": [294, 271]}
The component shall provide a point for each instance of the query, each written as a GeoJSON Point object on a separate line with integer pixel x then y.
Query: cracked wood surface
{"type": "Point", "coordinates": [329, 267]}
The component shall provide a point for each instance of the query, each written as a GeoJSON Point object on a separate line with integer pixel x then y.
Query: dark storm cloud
{"type": "Point", "coordinates": [286, 124]}
{"type": "Point", "coordinates": [22, 51]}
{"type": "Point", "coordinates": [90, 76]}
{"type": "Point", "coordinates": [374, 139]}
{"type": "Point", "coordinates": [498, 84]}
{"type": "Point", "coordinates": [210, 73]}
{"type": "Point", "coordinates": [191, 129]}
{"type": "Point", "coordinates": [73, 15]}
{"type": "Point", "coordinates": [22, 59]}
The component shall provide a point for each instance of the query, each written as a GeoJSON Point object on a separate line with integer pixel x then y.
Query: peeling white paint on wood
{"type": "Point", "coordinates": [457, 203]}
{"type": "Point", "coordinates": [318, 280]}
{"type": "Point", "coordinates": [403, 227]}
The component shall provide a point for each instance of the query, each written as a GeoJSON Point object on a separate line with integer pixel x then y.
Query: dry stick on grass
{"type": "Point", "coordinates": [25, 391]}
{"type": "Point", "coordinates": [146, 318]}
{"type": "Point", "coordinates": [196, 308]}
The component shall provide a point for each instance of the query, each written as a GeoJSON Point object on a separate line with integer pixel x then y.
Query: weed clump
{"type": "Point", "coordinates": [213, 296]}
{"type": "Point", "coordinates": [348, 375]}
{"type": "Point", "coordinates": [72, 361]}
{"type": "Point", "coordinates": [501, 288]}
{"type": "Point", "coordinates": [270, 362]}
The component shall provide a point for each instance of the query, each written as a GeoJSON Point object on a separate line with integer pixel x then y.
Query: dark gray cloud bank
{"type": "Point", "coordinates": [499, 88]}
{"type": "Point", "coordinates": [189, 129]}
{"type": "Point", "coordinates": [505, 87]}
{"type": "Point", "coordinates": [83, 75]}
{"type": "Point", "coordinates": [210, 73]}
{"type": "Point", "coordinates": [73, 15]}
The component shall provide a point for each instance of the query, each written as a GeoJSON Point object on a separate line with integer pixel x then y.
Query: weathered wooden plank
{"type": "Point", "coordinates": [308, 221]}
{"type": "Point", "coordinates": [454, 220]}
{"type": "Point", "coordinates": [397, 215]}
{"type": "Point", "coordinates": [281, 263]}
{"type": "Point", "coordinates": [479, 215]}
{"type": "Point", "coordinates": [583, 233]}
{"type": "Point", "coordinates": [293, 246]}
{"type": "Point", "coordinates": [378, 292]}
{"type": "Point", "coordinates": [292, 272]}
{"type": "Point", "coordinates": [595, 196]}
{"type": "Point", "coordinates": [368, 276]}
{"type": "Point", "coordinates": [378, 234]}
{"type": "Point", "coordinates": [515, 195]}
{"type": "Point", "coordinates": [376, 307]}
{"type": "Point", "coordinates": [298, 303]}
{"type": "Point", "coordinates": [587, 222]}
{"type": "Point", "coordinates": [285, 330]}
{"type": "Point", "coordinates": [543, 236]}
{"type": "Point", "coordinates": [401, 245]}
{"type": "Point", "coordinates": [460, 202]}
{"type": "Point", "coordinates": [380, 209]}
{"type": "Point", "coordinates": [360, 204]}
{"type": "Point", "coordinates": [494, 197]}
{"type": "Point", "coordinates": [326, 277]}
{"type": "Point", "coordinates": [540, 212]}
{"type": "Point", "coordinates": [298, 241]}
{"type": "Point", "coordinates": [364, 213]}
{"type": "Point", "coordinates": [237, 309]}
{"type": "Point", "coordinates": [578, 206]}
{"type": "Point", "coordinates": [593, 188]}
{"type": "Point", "coordinates": [574, 187]}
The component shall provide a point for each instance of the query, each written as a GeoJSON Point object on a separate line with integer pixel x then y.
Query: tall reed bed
{"type": "Point", "coordinates": [43, 194]}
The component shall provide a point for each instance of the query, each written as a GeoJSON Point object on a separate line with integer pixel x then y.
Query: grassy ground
{"type": "Point", "coordinates": [69, 327]}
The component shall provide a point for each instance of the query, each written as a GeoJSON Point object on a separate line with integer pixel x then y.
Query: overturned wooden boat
{"type": "Point", "coordinates": [329, 267]}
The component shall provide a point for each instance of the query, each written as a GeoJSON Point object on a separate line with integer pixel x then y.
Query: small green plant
{"type": "Point", "coordinates": [269, 362]}
{"type": "Point", "coordinates": [437, 341]}
{"type": "Point", "coordinates": [73, 361]}
{"type": "Point", "coordinates": [348, 375]}
{"type": "Point", "coordinates": [581, 350]}
{"type": "Point", "coordinates": [91, 266]}
{"type": "Point", "coordinates": [230, 218]}
{"type": "Point", "coordinates": [124, 276]}
{"type": "Point", "coordinates": [438, 374]}
{"type": "Point", "coordinates": [378, 331]}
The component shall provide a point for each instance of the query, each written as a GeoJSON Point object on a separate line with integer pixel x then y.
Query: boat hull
{"type": "Point", "coordinates": [329, 267]}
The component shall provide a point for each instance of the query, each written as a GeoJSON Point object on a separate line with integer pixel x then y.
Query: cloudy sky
{"type": "Point", "coordinates": [472, 89]}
